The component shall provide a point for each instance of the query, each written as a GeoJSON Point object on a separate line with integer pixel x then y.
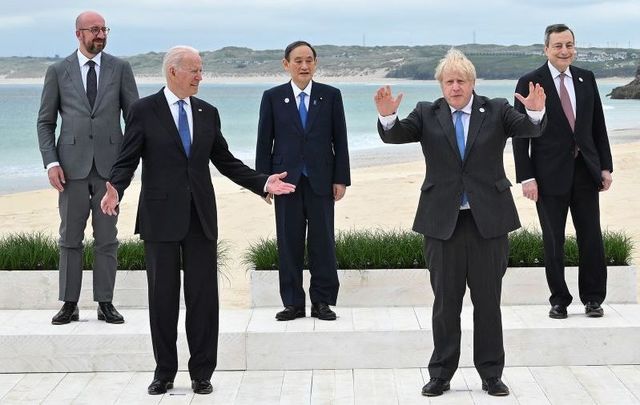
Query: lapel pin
{"type": "Point", "coordinates": [481, 109]}
{"type": "Point", "coordinates": [315, 102]}
{"type": "Point", "coordinates": [286, 100]}
{"type": "Point", "coordinates": [199, 109]}
{"type": "Point", "coordinates": [580, 79]}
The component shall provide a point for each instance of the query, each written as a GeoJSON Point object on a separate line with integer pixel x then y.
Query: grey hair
{"type": "Point", "coordinates": [174, 57]}
{"type": "Point", "coordinates": [554, 29]}
{"type": "Point", "coordinates": [455, 61]}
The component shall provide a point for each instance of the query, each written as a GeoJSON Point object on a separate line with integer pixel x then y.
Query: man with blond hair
{"type": "Point", "coordinates": [89, 90]}
{"type": "Point", "coordinates": [176, 135]}
{"type": "Point", "coordinates": [465, 210]}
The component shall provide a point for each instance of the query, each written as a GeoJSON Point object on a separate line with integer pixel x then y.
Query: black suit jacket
{"type": "Point", "coordinates": [481, 173]}
{"type": "Point", "coordinates": [283, 145]}
{"type": "Point", "coordinates": [551, 158]}
{"type": "Point", "coordinates": [170, 181]}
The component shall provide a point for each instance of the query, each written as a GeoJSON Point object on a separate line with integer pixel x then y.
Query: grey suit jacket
{"type": "Point", "coordinates": [86, 135]}
{"type": "Point", "coordinates": [481, 173]}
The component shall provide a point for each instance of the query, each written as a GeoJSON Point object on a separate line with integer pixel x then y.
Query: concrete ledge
{"type": "Point", "coordinates": [391, 337]}
{"type": "Point", "coordinates": [402, 287]}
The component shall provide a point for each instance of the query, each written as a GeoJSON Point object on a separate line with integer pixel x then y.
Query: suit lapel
{"type": "Point", "coordinates": [163, 113]}
{"type": "Point", "coordinates": [106, 75]}
{"type": "Point", "coordinates": [315, 105]}
{"type": "Point", "coordinates": [443, 113]}
{"type": "Point", "coordinates": [578, 86]}
{"type": "Point", "coordinates": [196, 113]}
{"type": "Point", "coordinates": [73, 70]}
{"type": "Point", "coordinates": [478, 114]}
{"type": "Point", "coordinates": [289, 101]}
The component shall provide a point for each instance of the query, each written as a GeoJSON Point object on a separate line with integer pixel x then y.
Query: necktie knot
{"type": "Point", "coordinates": [91, 63]}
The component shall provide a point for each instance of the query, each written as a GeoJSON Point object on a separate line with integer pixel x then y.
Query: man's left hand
{"type": "Point", "coordinates": [606, 180]}
{"type": "Point", "coordinates": [338, 191]}
{"type": "Point", "coordinates": [276, 186]}
{"type": "Point", "coordinates": [536, 98]}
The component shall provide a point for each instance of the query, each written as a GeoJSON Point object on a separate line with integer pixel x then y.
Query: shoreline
{"type": "Point", "coordinates": [374, 78]}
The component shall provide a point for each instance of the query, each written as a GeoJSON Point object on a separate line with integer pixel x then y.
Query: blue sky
{"type": "Point", "coordinates": [46, 28]}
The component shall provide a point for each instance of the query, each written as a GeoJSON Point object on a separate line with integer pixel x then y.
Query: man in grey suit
{"type": "Point", "coordinates": [89, 89]}
{"type": "Point", "coordinates": [465, 210]}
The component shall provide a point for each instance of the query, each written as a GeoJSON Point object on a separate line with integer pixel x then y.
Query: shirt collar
{"type": "Point", "coordinates": [466, 109]}
{"type": "Point", "coordinates": [83, 59]}
{"type": "Point", "coordinates": [297, 91]}
{"type": "Point", "coordinates": [173, 99]}
{"type": "Point", "coordinates": [555, 72]}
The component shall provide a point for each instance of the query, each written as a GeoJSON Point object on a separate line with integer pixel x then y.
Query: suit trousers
{"type": "Point", "coordinates": [79, 198]}
{"type": "Point", "coordinates": [467, 259]}
{"type": "Point", "coordinates": [198, 256]}
{"type": "Point", "coordinates": [584, 202]}
{"type": "Point", "coordinates": [295, 214]}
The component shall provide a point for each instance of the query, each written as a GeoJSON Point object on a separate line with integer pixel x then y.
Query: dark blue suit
{"type": "Point", "coordinates": [321, 148]}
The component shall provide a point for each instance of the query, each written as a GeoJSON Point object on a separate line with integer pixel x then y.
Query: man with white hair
{"type": "Point", "coordinates": [466, 209]}
{"type": "Point", "coordinates": [176, 135]}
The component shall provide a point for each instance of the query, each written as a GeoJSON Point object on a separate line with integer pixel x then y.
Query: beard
{"type": "Point", "coordinates": [95, 46]}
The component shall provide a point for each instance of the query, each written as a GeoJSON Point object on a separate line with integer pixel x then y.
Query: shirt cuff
{"type": "Point", "coordinates": [536, 116]}
{"type": "Point", "coordinates": [527, 181]}
{"type": "Point", "coordinates": [387, 121]}
{"type": "Point", "coordinates": [52, 164]}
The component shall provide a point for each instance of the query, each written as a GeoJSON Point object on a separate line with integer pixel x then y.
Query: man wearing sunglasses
{"type": "Point", "coordinates": [89, 90]}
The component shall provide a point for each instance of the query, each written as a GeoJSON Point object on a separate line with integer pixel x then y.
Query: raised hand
{"type": "Point", "coordinates": [385, 103]}
{"type": "Point", "coordinates": [276, 186]}
{"type": "Point", "coordinates": [536, 98]}
{"type": "Point", "coordinates": [109, 202]}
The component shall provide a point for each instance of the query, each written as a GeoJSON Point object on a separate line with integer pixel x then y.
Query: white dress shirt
{"type": "Point", "coordinates": [172, 100]}
{"type": "Point", "coordinates": [297, 91]}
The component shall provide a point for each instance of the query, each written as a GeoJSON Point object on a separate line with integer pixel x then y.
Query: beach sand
{"type": "Point", "coordinates": [384, 194]}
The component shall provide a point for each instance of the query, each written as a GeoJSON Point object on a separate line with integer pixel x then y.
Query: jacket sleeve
{"type": "Point", "coordinates": [48, 116]}
{"type": "Point", "coordinates": [600, 137]}
{"type": "Point", "coordinates": [521, 156]}
{"type": "Point", "coordinates": [130, 152]}
{"type": "Point", "coordinates": [266, 135]}
{"type": "Point", "coordinates": [406, 130]}
{"type": "Point", "coordinates": [341, 171]}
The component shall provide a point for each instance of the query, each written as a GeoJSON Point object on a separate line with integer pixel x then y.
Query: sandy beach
{"type": "Point", "coordinates": [384, 194]}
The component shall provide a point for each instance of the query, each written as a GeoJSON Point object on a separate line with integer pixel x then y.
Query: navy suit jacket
{"type": "Point", "coordinates": [170, 180]}
{"type": "Point", "coordinates": [283, 145]}
{"type": "Point", "coordinates": [480, 174]}
{"type": "Point", "coordinates": [551, 159]}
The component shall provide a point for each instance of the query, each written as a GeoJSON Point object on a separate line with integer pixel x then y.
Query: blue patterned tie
{"type": "Point", "coordinates": [183, 127]}
{"type": "Point", "coordinates": [460, 139]}
{"type": "Point", "coordinates": [302, 110]}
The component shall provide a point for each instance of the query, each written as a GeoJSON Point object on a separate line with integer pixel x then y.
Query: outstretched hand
{"type": "Point", "coordinates": [385, 102]}
{"type": "Point", "coordinates": [536, 98]}
{"type": "Point", "coordinates": [109, 202]}
{"type": "Point", "coordinates": [276, 186]}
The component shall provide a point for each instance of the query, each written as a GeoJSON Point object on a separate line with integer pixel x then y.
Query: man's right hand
{"type": "Point", "coordinates": [530, 190]}
{"type": "Point", "coordinates": [385, 103]}
{"type": "Point", "coordinates": [56, 178]}
{"type": "Point", "coordinates": [109, 203]}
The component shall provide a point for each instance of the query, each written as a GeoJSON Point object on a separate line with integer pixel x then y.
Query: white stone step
{"type": "Point", "coordinates": [382, 337]}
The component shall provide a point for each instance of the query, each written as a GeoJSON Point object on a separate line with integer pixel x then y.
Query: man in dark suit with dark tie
{"type": "Point", "coordinates": [302, 131]}
{"type": "Point", "coordinates": [465, 210]}
{"type": "Point", "coordinates": [565, 169]}
{"type": "Point", "coordinates": [88, 89]}
{"type": "Point", "coordinates": [176, 135]}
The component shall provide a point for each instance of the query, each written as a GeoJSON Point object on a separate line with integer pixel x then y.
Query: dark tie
{"type": "Point", "coordinates": [183, 127]}
{"type": "Point", "coordinates": [92, 83]}
{"type": "Point", "coordinates": [302, 109]}
{"type": "Point", "coordinates": [460, 139]}
{"type": "Point", "coordinates": [565, 101]}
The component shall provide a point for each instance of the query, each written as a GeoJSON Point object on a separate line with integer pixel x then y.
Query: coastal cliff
{"type": "Point", "coordinates": [628, 91]}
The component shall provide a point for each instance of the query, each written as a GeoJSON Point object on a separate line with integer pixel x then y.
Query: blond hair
{"type": "Point", "coordinates": [455, 61]}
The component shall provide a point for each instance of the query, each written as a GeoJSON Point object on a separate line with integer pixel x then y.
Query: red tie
{"type": "Point", "coordinates": [566, 103]}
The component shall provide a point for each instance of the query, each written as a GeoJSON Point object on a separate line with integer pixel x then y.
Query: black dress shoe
{"type": "Point", "coordinates": [68, 313]}
{"type": "Point", "coordinates": [435, 387]}
{"type": "Point", "coordinates": [593, 310]}
{"type": "Point", "coordinates": [202, 387]}
{"type": "Point", "coordinates": [290, 312]}
{"type": "Point", "coordinates": [159, 386]}
{"type": "Point", "coordinates": [494, 386]}
{"type": "Point", "coordinates": [108, 313]}
{"type": "Point", "coordinates": [322, 311]}
{"type": "Point", "coordinates": [558, 312]}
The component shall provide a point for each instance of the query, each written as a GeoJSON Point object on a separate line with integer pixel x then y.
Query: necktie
{"type": "Point", "coordinates": [92, 83]}
{"type": "Point", "coordinates": [460, 139]}
{"type": "Point", "coordinates": [302, 110]}
{"type": "Point", "coordinates": [183, 127]}
{"type": "Point", "coordinates": [565, 101]}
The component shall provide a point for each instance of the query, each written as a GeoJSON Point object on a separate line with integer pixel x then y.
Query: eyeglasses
{"type": "Point", "coordinates": [96, 30]}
